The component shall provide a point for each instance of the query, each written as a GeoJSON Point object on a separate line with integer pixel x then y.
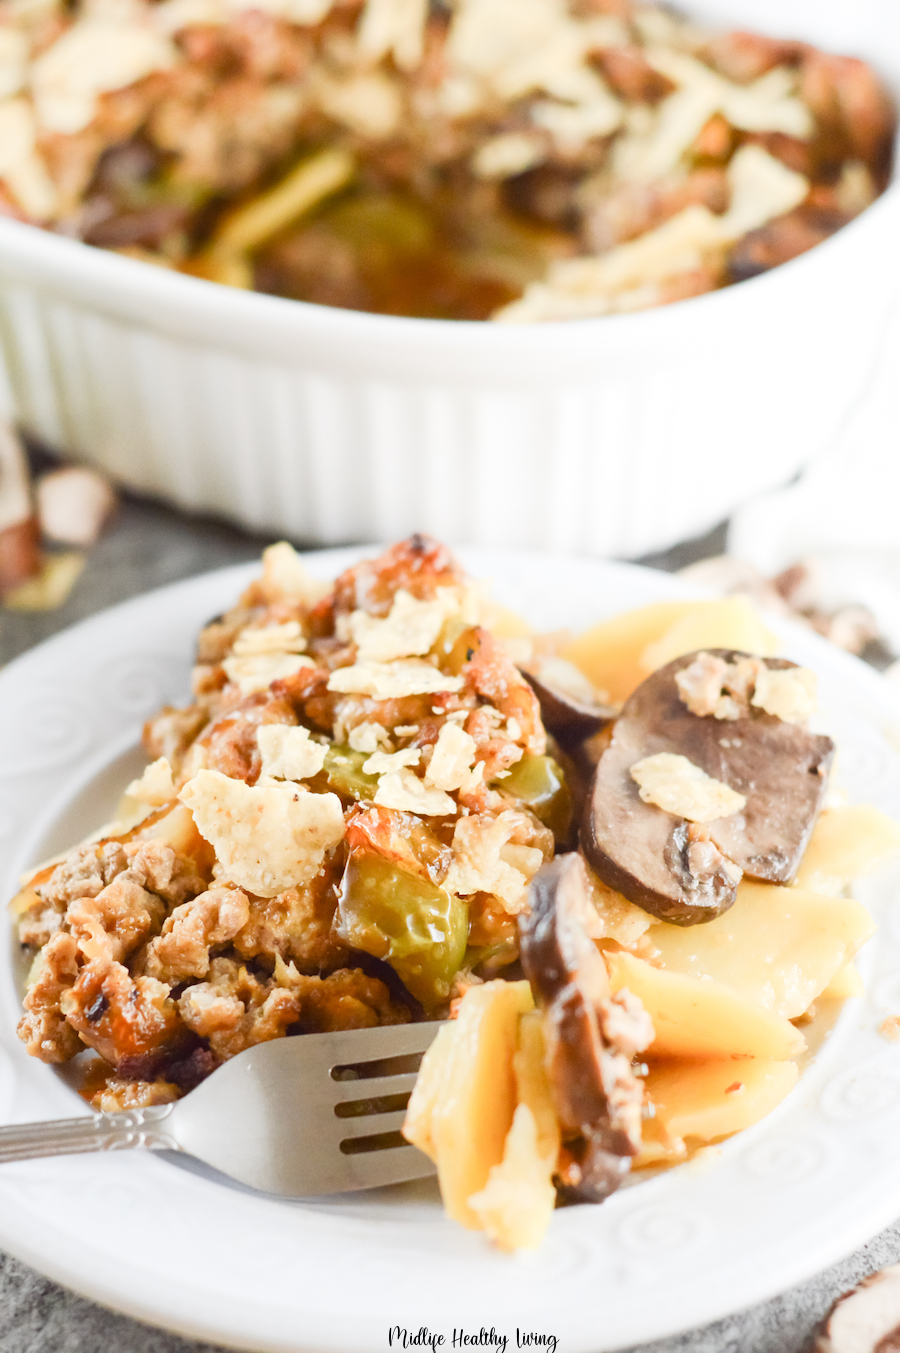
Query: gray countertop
{"type": "Point", "coordinates": [148, 546]}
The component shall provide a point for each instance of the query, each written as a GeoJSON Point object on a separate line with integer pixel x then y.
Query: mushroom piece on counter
{"type": "Point", "coordinates": [591, 1035]}
{"type": "Point", "coordinates": [703, 782]}
{"type": "Point", "coordinates": [866, 1320]}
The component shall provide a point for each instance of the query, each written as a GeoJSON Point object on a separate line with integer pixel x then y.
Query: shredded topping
{"type": "Point", "coordinates": [402, 789]}
{"type": "Point", "coordinates": [789, 693]}
{"type": "Point", "coordinates": [410, 629]}
{"type": "Point", "coordinates": [452, 759]}
{"type": "Point", "coordinates": [676, 785]}
{"type": "Point", "coordinates": [257, 671]}
{"type": "Point", "coordinates": [289, 753]}
{"type": "Point", "coordinates": [485, 860]}
{"type": "Point", "coordinates": [286, 638]}
{"type": "Point", "coordinates": [268, 837]}
{"type": "Point", "coordinates": [711, 686]}
{"type": "Point", "coordinates": [392, 681]}
{"type": "Point", "coordinates": [156, 786]}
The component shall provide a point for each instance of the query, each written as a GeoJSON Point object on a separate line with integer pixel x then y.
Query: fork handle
{"type": "Point", "coordinates": [75, 1136]}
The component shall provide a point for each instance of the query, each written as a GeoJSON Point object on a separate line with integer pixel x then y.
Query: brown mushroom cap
{"type": "Point", "coordinates": [569, 719]}
{"type": "Point", "coordinates": [866, 1320]}
{"type": "Point", "coordinates": [591, 1036]}
{"type": "Point", "coordinates": [675, 870]}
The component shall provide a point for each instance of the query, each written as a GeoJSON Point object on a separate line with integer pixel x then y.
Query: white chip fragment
{"type": "Point", "coordinates": [21, 166]}
{"type": "Point", "coordinates": [370, 737]}
{"type": "Point", "coordinates": [788, 693]}
{"type": "Point", "coordinates": [285, 578]}
{"type": "Point", "coordinates": [700, 687]}
{"type": "Point", "coordinates": [572, 124]}
{"type": "Point", "coordinates": [156, 786]}
{"type": "Point", "coordinates": [409, 631]}
{"type": "Point", "coordinates": [513, 47]}
{"type": "Point", "coordinates": [396, 27]}
{"type": "Point", "coordinates": [256, 671]}
{"type": "Point", "coordinates": [710, 685]}
{"type": "Point", "coordinates": [392, 681]}
{"type": "Point", "coordinates": [13, 61]}
{"type": "Point", "coordinates": [509, 153]}
{"type": "Point", "coordinates": [451, 761]}
{"type": "Point", "coordinates": [266, 837]}
{"type": "Point", "coordinates": [286, 638]}
{"type": "Point", "coordinates": [762, 187]}
{"type": "Point", "coordinates": [98, 53]}
{"type": "Point", "coordinates": [676, 785]}
{"type": "Point", "coordinates": [403, 790]}
{"type": "Point", "coordinates": [386, 763]}
{"type": "Point", "coordinates": [480, 844]}
{"type": "Point", "coordinates": [288, 753]}
{"type": "Point", "coordinates": [368, 102]}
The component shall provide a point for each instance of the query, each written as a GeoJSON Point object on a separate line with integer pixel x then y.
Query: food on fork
{"type": "Point", "coordinates": [362, 819]}
{"type": "Point", "coordinates": [521, 160]}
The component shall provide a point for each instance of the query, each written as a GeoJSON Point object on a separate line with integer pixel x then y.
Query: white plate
{"type": "Point", "coordinates": [171, 1245]}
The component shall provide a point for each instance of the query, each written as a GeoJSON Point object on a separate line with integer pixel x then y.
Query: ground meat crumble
{"type": "Point", "coordinates": [145, 949]}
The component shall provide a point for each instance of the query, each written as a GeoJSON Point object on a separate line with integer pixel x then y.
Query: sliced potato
{"type": "Point", "coordinates": [696, 1018]}
{"type": "Point", "coordinates": [707, 1100]}
{"type": "Point", "coordinates": [26, 899]}
{"type": "Point", "coordinates": [533, 1083]}
{"type": "Point", "coordinates": [609, 653]}
{"type": "Point", "coordinates": [847, 843]}
{"type": "Point", "coordinates": [477, 1096]}
{"type": "Point", "coordinates": [177, 829]}
{"type": "Point", "coordinates": [515, 1206]}
{"type": "Point", "coordinates": [845, 983]}
{"type": "Point", "coordinates": [777, 947]}
{"type": "Point", "coordinates": [732, 622]}
{"type": "Point", "coordinates": [418, 1127]}
{"type": "Point", "coordinates": [505, 624]}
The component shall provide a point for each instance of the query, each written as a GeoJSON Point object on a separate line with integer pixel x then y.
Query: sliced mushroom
{"type": "Point", "coordinates": [686, 872]}
{"type": "Point", "coordinates": [570, 708]}
{"type": "Point", "coordinates": [591, 1035]}
{"type": "Point", "coordinates": [866, 1320]}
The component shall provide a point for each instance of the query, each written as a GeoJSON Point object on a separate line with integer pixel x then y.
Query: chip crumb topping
{"type": "Point", "coordinates": [387, 763]}
{"type": "Point", "coordinates": [285, 577]}
{"type": "Point", "coordinates": [392, 680]}
{"type": "Point", "coordinates": [286, 638]}
{"type": "Point", "coordinates": [788, 693]}
{"type": "Point", "coordinates": [711, 686]}
{"type": "Point", "coordinates": [409, 630]}
{"type": "Point", "coordinates": [370, 737]}
{"type": "Point", "coordinates": [483, 861]}
{"type": "Point", "coordinates": [452, 759]}
{"type": "Point", "coordinates": [289, 753]}
{"type": "Point", "coordinates": [676, 785]}
{"type": "Point", "coordinates": [267, 838]}
{"type": "Point", "coordinates": [403, 790]}
{"type": "Point", "coordinates": [156, 786]}
{"type": "Point", "coordinates": [257, 671]}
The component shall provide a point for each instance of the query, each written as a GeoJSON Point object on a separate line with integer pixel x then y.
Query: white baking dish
{"type": "Point", "coordinates": [612, 436]}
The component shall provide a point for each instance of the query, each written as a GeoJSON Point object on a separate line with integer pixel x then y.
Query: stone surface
{"type": "Point", "coordinates": [146, 546]}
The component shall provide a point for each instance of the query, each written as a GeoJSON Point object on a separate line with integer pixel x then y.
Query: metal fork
{"type": "Point", "coordinates": [316, 1114]}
